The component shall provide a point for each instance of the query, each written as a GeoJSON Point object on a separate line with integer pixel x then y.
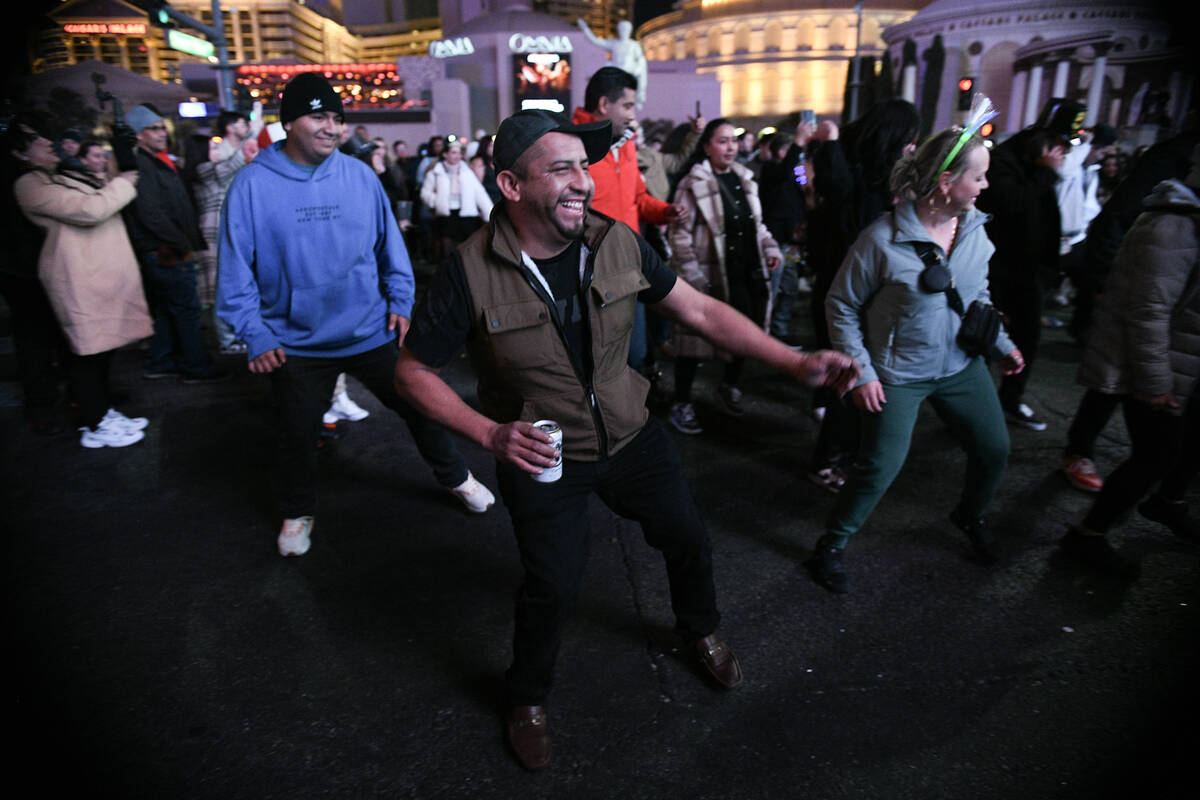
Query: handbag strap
{"type": "Point", "coordinates": [931, 257]}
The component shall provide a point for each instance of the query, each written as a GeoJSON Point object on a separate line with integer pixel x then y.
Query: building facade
{"type": "Point", "coordinates": [256, 31]}
{"type": "Point", "coordinates": [1116, 57]}
{"type": "Point", "coordinates": [773, 57]}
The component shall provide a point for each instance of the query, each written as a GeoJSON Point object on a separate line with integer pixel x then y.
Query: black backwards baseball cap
{"type": "Point", "coordinates": [1063, 119]}
{"type": "Point", "coordinates": [308, 93]}
{"type": "Point", "coordinates": [518, 133]}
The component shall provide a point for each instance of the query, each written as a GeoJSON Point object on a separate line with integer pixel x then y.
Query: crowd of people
{"type": "Point", "coordinates": [568, 276]}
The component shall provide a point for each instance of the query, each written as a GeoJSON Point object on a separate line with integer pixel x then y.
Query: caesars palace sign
{"type": "Point", "coordinates": [517, 43]}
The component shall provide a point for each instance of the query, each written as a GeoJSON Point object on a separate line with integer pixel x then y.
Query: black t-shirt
{"type": "Point", "coordinates": [444, 319]}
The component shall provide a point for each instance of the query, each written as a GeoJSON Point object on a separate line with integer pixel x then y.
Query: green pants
{"type": "Point", "coordinates": [967, 402]}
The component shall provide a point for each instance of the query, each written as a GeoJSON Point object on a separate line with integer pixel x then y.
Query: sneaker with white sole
{"type": "Point", "coordinates": [345, 408]}
{"type": "Point", "coordinates": [1080, 472]}
{"type": "Point", "coordinates": [683, 419]}
{"type": "Point", "coordinates": [295, 537]}
{"type": "Point", "coordinates": [132, 423]}
{"type": "Point", "coordinates": [474, 495]}
{"type": "Point", "coordinates": [1023, 415]}
{"type": "Point", "coordinates": [731, 400]}
{"type": "Point", "coordinates": [109, 434]}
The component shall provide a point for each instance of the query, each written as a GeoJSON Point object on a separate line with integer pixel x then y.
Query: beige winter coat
{"type": "Point", "coordinates": [87, 264]}
{"type": "Point", "coordinates": [698, 248]}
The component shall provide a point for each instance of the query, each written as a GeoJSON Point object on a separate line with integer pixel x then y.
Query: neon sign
{"type": "Point", "coordinates": [448, 48]}
{"type": "Point", "coordinates": [115, 28]}
{"type": "Point", "coordinates": [520, 43]}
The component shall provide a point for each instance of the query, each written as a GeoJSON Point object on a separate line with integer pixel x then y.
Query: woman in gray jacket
{"type": "Point", "coordinates": [905, 339]}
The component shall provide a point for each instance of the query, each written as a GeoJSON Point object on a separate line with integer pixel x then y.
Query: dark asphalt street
{"type": "Point", "coordinates": [160, 648]}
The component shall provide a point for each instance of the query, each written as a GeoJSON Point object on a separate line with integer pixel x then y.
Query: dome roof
{"type": "Point", "coordinates": [962, 8]}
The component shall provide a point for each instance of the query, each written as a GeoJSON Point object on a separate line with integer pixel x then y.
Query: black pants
{"type": "Point", "coordinates": [302, 388]}
{"type": "Point", "coordinates": [88, 376]}
{"type": "Point", "coordinates": [38, 342]}
{"type": "Point", "coordinates": [1157, 440]}
{"type": "Point", "coordinates": [643, 482]}
{"type": "Point", "coordinates": [1023, 306]}
{"type": "Point", "coordinates": [1095, 409]}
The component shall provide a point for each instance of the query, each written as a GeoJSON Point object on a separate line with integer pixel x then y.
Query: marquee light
{"type": "Point", "coordinates": [113, 28]}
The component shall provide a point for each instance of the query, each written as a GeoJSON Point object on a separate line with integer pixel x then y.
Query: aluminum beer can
{"type": "Point", "coordinates": [553, 473]}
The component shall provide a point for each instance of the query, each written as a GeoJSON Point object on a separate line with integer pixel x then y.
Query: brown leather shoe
{"type": "Point", "coordinates": [529, 736]}
{"type": "Point", "coordinates": [720, 661]}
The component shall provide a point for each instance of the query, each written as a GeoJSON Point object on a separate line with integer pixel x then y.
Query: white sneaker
{"type": "Point", "coordinates": [109, 434]}
{"type": "Point", "coordinates": [683, 419]}
{"type": "Point", "coordinates": [474, 495]}
{"type": "Point", "coordinates": [345, 408]}
{"type": "Point", "coordinates": [296, 536]}
{"type": "Point", "coordinates": [119, 419]}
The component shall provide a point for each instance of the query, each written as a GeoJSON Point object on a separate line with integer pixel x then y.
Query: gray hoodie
{"type": "Point", "coordinates": [878, 313]}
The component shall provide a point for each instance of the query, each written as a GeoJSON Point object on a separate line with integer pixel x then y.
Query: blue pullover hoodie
{"type": "Point", "coordinates": [311, 260]}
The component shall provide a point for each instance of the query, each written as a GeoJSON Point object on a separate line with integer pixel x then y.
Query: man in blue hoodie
{"type": "Point", "coordinates": [315, 279]}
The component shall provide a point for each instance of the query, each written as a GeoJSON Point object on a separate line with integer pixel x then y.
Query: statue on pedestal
{"type": "Point", "coordinates": [625, 53]}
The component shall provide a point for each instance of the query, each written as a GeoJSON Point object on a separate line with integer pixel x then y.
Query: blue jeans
{"type": "Point", "coordinates": [177, 344]}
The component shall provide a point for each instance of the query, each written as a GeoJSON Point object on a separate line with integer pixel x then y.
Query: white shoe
{"type": "Point", "coordinates": [131, 423]}
{"type": "Point", "coordinates": [109, 434]}
{"type": "Point", "coordinates": [296, 536]}
{"type": "Point", "coordinates": [474, 495]}
{"type": "Point", "coordinates": [683, 419]}
{"type": "Point", "coordinates": [345, 408]}
{"type": "Point", "coordinates": [330, 418]}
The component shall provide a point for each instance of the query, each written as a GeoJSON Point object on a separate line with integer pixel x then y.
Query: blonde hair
{"type": "Point", "coordinates": [915, 176]}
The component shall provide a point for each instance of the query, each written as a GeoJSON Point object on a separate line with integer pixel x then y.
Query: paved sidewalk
{"type": "Point", "coordinates": [161, 648]}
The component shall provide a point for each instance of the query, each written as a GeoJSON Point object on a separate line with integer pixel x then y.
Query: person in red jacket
{"type": "Point", "coordinates": [620, 189]}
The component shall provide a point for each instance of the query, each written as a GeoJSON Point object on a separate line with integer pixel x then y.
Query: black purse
{"type": "Point", "coordinates": [980, 323]}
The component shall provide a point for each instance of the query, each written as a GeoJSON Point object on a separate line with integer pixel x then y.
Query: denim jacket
{"type": "Point", "coordinates": [879, 314]}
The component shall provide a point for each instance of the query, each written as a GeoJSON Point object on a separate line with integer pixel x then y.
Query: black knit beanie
{"type": "Point", "coordinates": [308, 93]}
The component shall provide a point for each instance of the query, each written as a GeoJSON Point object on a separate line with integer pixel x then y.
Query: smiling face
{"type": "Point", "coordinates": [964, 191]}
{"type": "Point", "coordinates": [95, 160]}
{"type": "Point", "coordinates": [722, 148]}
{"type": "Point", "coordinates": [40, 152]}
{"type": "Point", "coordinates": [453, 154]}
{"type": "Point", "coordinates": [312, 138]}
{"type": "Point", "coordinates": [548, 192]}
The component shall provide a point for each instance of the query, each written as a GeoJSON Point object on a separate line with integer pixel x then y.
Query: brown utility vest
{"type": "Point", "coordinates": [519, 351]}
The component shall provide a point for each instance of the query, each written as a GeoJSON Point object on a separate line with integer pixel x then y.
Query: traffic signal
{"type": "Point", "coordinates": [965, 87]}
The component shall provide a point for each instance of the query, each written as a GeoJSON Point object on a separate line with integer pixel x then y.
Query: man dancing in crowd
{"type": "Point", "coordinates": [315, 279]}
{"type": "Point", "coordinates": [543, 299]}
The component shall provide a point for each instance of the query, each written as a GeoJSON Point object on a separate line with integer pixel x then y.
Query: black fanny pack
{"type": "Point", "coordinates": [980, 323]}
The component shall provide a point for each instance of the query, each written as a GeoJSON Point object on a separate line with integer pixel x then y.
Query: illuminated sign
{"type": "Point", "coordinates": [542, 80]}
{"type": "Point", "coordinates": [520, 43]}
{"type": "Point", "coordinates": [448, 48]}
{"type": "Point", "coordinates": [295, 69]}
{"type": "Point", "coordinates": [192, 45]}
{"type": "Point", "coordinates": [114, 28]}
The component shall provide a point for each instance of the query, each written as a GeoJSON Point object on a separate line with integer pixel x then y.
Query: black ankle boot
{"type": "Point", "coordinates": [1173, 514]}
{"type": "Point", "coordinates": [827, 567]}
{"type": "Point", "coordinates": [977, 531]}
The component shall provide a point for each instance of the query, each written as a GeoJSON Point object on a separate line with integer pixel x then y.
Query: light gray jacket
{"type": "Point", "coordinates": [878, 313]}
{"type": "Point", "coordinates": [1146, 337]}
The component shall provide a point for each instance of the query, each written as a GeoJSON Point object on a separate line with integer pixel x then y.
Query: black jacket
{"type": "Point", "coordinates": [1026, 227]}
{"type": "Point", "coordinates": [162, 215]}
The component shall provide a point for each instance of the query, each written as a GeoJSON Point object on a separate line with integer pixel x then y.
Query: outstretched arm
{"type": "Point", "coordinates": [730, 330]}
{"type": "Point", "coordinates": [587, 31]}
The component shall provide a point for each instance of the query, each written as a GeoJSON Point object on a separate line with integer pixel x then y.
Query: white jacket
{"type": "Point", "coordinates": [435, 192]}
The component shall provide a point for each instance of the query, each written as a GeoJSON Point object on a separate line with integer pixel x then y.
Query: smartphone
{"type": "Point", "coordinates": [808, 115]}
{"type": "Point", "coordinates": [697, 109]}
